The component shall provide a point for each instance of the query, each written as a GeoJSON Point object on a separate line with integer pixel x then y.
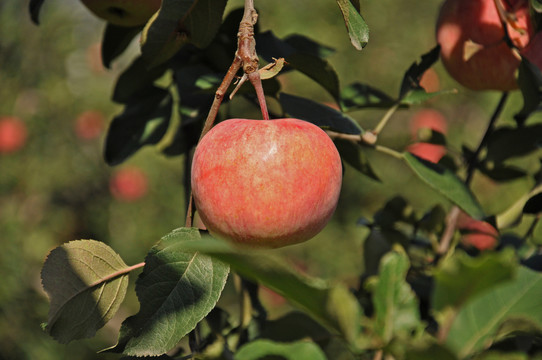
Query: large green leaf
{"type": "Point", "coordinates": [318, 114]}
{"type": "Point", "coordinates": [396, 305]}
{"type": "Point", "coordinates": [460, 277]}
{"type": "Point", "coordinates": [263, 349]}
{"type": "Point", "coordinates": [479, 320]}
{"type": "Point", "coordinates": [507, 142]}
{"type": "Point", "coordinates": [305, 56]}
{"type": "Point", "coordinates": [445, 182]}
{"type": "Point", "coordinates": [34, 7]}
{"type": "Point", "coordinates": [413, 75]}
{"type": "Point", "coordinates": [176, 290]}
{"type": "Point", "coordinates": [530, 84]}
{"type": "Point", "coordinates": [358, 31]}
{"type": "Point", "coordinates": [115, 40]}
{"type": "Point", "coordinates": [536, 5]}
{"type": "Point", "coordinates": [355, 156]}
{"type": "Point", "coordinates": [134, 82]}
{"type": "Point", "coordinates": [141, 123]}
{"type": "Point", "coordinates": [358, 96]}
{"type": "Point", "coordinates": [178, 21]}
{"type": "Point", "coordinates": [333, 306]}
{"type": "Point", "coordinates": [86, 285]}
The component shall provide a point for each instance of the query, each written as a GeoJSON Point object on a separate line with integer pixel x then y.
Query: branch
{"type": "Point", "coordinates": [246, 58]}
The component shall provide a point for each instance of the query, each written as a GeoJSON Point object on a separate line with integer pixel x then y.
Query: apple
{"type": "Point", "coordinates": [430, 81]}
{"type": "Point", "coordinates": [427, 119]}
{"type": "Point", "coordinates": [266, 183]}
{"type": "Point", "coordinates": [477, 233]}
{"type": "Point", "coordinates": [472, 40]}
{"type": "Point", "coordinates": [128, 184]}
{"type": "Point", "coordinates": [427, 151]}
{"type": "Point", "coordinates": [123, 12]}
{"type": "Point", "coordinates": [13, 134]}
{"type": "Point", "coordinates": [89, 125]}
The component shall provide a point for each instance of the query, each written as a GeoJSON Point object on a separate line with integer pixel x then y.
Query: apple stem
{"type": "Point", "coordinates": [246, 58]}
{"type": "Point", "coordinates": [387, 116]}
{"type": "Point", "coordinates": [471, 162]}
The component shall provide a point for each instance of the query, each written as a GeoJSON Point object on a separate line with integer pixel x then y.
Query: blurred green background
{"type": "Point", "coordinates": [57, 187]}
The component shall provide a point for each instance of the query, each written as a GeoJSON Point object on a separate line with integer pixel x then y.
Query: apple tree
{"type": "Point", "coordinates": [456, 280]}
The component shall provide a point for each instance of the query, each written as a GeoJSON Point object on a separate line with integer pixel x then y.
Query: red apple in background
{"type": "Point", "coordinates": [422, 123]}
{"type": "Point", "coordinates": [427, 151]}
{"type": "Point", "coordinates": [472, 40]}
{"type": "Point", "coordinates": [123, 12]}
{"type": "Point", "coordinates": [430, 81]}
{"type": "Point", "coordinates": [13, 134]}
{"type": "Point", "coordinates": [476, 233]}
{"type": "Point", "coordinates": [128, 184]}
{"type": "Point", "coordinates": [89, 125]}
{"type": "Point", "coordinates": [267, 183]}
{"type": "Point", "coordinates": [427, 119]}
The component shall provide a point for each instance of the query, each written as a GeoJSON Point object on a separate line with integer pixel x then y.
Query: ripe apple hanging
{"type": "Point", "coordinates": [266, 183]}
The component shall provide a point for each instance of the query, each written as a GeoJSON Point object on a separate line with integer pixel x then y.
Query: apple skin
{"type": "Point", "coordinates": [13, 134]}
{"type": "Point", "coordinates": [493, 66]}
{"type": "Point", "coordinates": [89, 125]}
{"type": "Point", "coordinates": [128, 184]}
{"type": "Point", "coordinates": [266, 183]}
{"type": "Point", "coordinates": [427, 151]}
{"type": "Point", "coordinates": [123, 12]}
{"type": "Point", "coordinates": [427, 119]}
{"type": "Point", "coordinates": [477, 233]}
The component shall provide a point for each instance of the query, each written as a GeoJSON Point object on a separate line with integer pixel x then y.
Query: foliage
{"type": "Point", "coordinates": [423, 293]}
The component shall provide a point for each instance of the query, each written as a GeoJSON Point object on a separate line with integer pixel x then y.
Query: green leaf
{"type": "Point", "coordinates": [429, 352]}
{"type": "Point", "coordinates": [260, 349]}
{"type": "Point", "coordinates": [135, 81]}
{"type": "Point", "coordinates": [176, 290]}
{"type": "Point", "coordinates": [536, 5]}
{"type": "Point", "coordinates": [141, 123]}
{"type": "Point", "coordinates": [318, 70]}
{"type": "Point", "coordinates": [396, 305]}
{"type": "Point", "coordinates": [314, 296]}
{"type": "Point", "coordinates": [318, 114]}
{"type": "Point", "coordinates": [34, 7]}
{"type": "Point", "coordinates": [294, 326]}
{"type": "Point", "coordinates": [418, 96]}
{"type": "Point", "coordinates": [358, 31]}
{"type": "Point", "coordinates": [508, 142]}
{"type": "Point", "coordinates": [501, 172]}
{"type": "Point", "coordinates": [356, 157]}
{"type": "Point", "coordinates": [477, 323]}
{"type": "Point", "coordinates": [412, 77]}
{"type": "Point", "coordinates": [460, 277]}
{"type": "Point", "coordinates": [178, 21]}
{"type": "Point", "coordinates": [115, 40]}
{"type": "Point", "coordinates": [533, 205]}
{"type": "Point", "coordinates": [495, 355]}
{"type": "Point", "coordinates": [360, 96]}
{"type": "Point", "coordinates": [204, 20]}
{"type": "Point", "coordinates": [305, 59]}
{"type": "Point", "coordinates": [303, 44]}
{"type": "Point", "coordinates": [445, 182]}
{"type": "Point", "coordinates": [86, 284]}
{"type": "Point", "coordinates": [530, 84]}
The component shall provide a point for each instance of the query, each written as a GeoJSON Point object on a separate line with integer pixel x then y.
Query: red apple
{"type": "Point", "coordinates": [427, 151]}
{"type": "Point", "coordinates": [128, 184]}
{"type": "Point", "coordinates": [430, 81]}
{"type": "Point", "coordinates": [89, 125]}
{"type": "Point", "coordinates": [12, 134]}
{"type": "Point", "coordinates": [473, 49]}
{"type": "Point", "coordinates": [267, 183]}
{"type": "Point", "coordinates": [123, 12]}
{"type": "Point", "coordinates": [476, 233]}
{"type": "Point", "coordinates": [427, 119]}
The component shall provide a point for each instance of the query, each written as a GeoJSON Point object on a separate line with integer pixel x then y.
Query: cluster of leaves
{"type": "Point", "coordinates": [411, 303]}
